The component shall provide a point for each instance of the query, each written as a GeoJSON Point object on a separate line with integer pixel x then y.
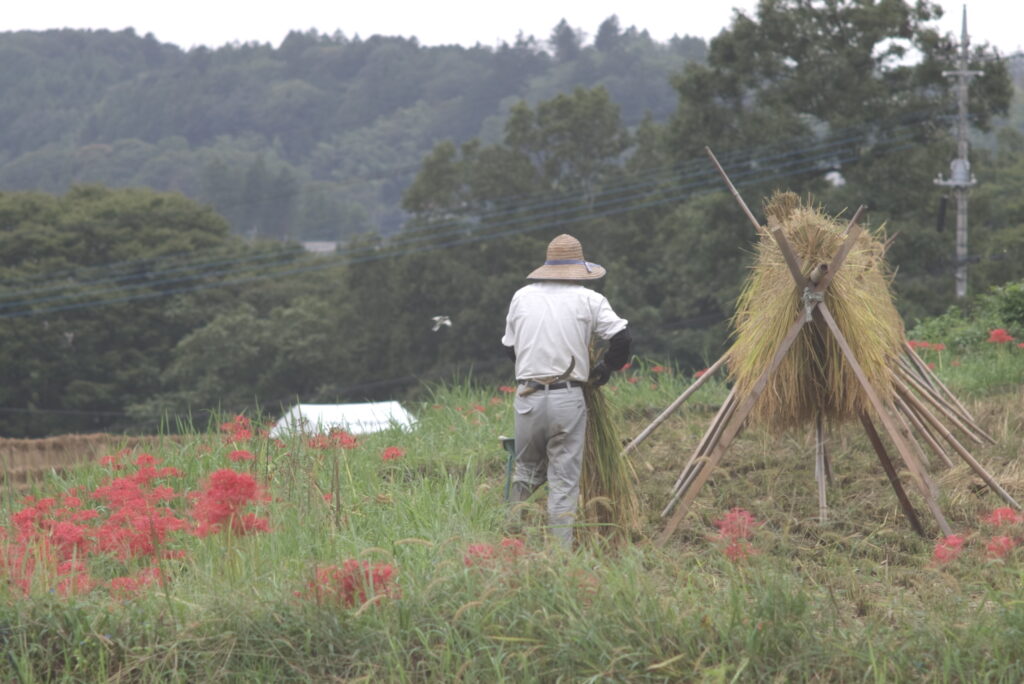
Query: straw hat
{"type": "Point", "coordinates": [565, 262]}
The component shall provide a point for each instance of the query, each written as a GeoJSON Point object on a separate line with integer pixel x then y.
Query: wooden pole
{"type": "Point", "coordinates": [890, 472]}
{"type": "Point", "coordinates": [820, 467]}
{"type": "Point", "coordinates": [673, 406]}
{"type": "Point", "coordinates": [735, 193]}
{"type": "Point", "coordinates": [936, 380]}
{"type": "Point", "coordinates": [916, 469]}
{"type": "Point", "coordinates": [923, 430]}
{"type": "Point", "coordinates": [709, 439]}
{"type": "Point", "coordinates": [942, 407]}
{"type": "Point", "coordinates": [944, 432]}
{"type": "Point", "coordinates": [732, 428]}
{"type": "Point", "coordinates": [908, 370]}
{"type": "Point", "coordinates": [697, 460]}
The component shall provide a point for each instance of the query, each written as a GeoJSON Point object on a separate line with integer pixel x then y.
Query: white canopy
{"type": "Point", "coordinates": [356, 419]}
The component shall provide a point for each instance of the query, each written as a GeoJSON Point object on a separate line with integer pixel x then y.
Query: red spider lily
{"type": "Point", "coordinates": [392, 453]}
{"type": "Point", "coordinates": [998, 547]}
{"type": "Point", "coordinates": [512, 547]}
{"type": "Point", "coordinates": [632, 380]}
{"type": "Point", "coordinates": [221, 501]}
{"type": "Point", "coordinates": [918, 344]}
{"type": "Point", "coordinates": [507, 389]}
{"type": "Point", "coordinates": [948, 548]}
{"type": "Point", "coordinates": [478, 408]}
{"type": "Point", "coordinates": [738, 523]}
{"type": "Point", "coordinates": [659, 369]}
{"type": "Point", "coordinates": [241, 455]}
{"type": "Point", "coordinates": [999, 336]}
{"type": "Point", "coordinates": [132, 585]}
{"type": "Point", "coordinates": [478, 554]}
{"type": "Point", "coordinates": [700, 373]}
{"type": "Point", "coordinates": [335, 439]}
{"type": "Point", "coordinates": [239, 429]}
{"type": "Point", "coordinates": [1002, 516]}
{"type": "Point", "coordinates": [1020, 345]}
{"type": "Point", "coordinates": [486, 555]}
{"type": "Point", "coordinates": [931, 366]}
{"type": "Point", "coordinates": [626, 366]}
{"type": "Point", "coordinates": [938, 346]}
{"type": "Point", "coordinates": [350, 584]}
{"type": "Point", "coordinates": [738, 550]}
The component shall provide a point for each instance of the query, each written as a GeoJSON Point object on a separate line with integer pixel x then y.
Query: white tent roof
{"type": "Point", "coordinates": [357, 419]}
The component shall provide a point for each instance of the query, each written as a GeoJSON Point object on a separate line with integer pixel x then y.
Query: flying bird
{"type": "Point", "coordinates": [439, 321]}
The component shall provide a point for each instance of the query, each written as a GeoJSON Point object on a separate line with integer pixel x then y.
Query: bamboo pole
{"type": "Point", "coordinates": [944, 408]}
{"type": "Point", "coordinates": [735, 193]}
{"type": "Point", "coordinates": [911, 439]}
{"type": "Point", "coordinates": [820, 467]}
{"type": "Point", "coordinates": [674, 405]}
{"type": "Point", "coordinates": [890, 472]}
{"type": "Point", "coordinates": [915, 420]}
{"type": "Point", "coordinates": [712, 437]}
{"type": "Point", "coordinates": [953, 442]}
{"type": "Point", "coordinates": [709, 438]}
{"type": "Point", "coordinates": [731, 429]}
{"type": "Point", "coordinates": [936, 380]}
{"type": "Point", "coordinates": [908, 371]}
{"type": "Point", "coordinates": [915, 468]}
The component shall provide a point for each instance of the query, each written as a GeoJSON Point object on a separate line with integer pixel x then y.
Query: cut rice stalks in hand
{"type": "Point", "coordinates": [610, 507]}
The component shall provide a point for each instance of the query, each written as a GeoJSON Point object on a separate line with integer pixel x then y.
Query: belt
{"type": "Point", "coordinates": [534, 385]}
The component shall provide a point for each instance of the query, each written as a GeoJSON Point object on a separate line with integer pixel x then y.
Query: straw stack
{"type": "Point", "coordinates": [814, 376]}
{"type": "Point", "coordinates": [610, 511]}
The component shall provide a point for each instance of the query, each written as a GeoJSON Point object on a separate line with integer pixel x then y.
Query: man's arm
{"type": "Point", "coordinates": [618, 349]}
{"type": "Point", "coordinates": [614, 359]}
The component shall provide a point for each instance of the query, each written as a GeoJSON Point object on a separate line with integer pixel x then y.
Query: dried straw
{"type": "Point", "coordinates": [610, 513]}
{"type": "Point", "coordinates": [814, 375]}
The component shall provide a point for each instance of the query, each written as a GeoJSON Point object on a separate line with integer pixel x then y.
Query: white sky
{"type": "Point", "coordinates": [188, 23]}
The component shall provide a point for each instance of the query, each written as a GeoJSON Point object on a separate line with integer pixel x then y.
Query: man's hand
{"type": "Point", "coordinates": [599, 374]}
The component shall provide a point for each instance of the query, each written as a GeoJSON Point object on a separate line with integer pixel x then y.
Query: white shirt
{"type": "Point", "coordinates": [551, 322]}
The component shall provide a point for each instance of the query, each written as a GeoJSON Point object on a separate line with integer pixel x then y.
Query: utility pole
{"type": "Point", "coordinates": [960, 176]}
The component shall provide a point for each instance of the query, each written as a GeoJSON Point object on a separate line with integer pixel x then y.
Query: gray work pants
{"type": "Point", "coordinates": [550, 431]}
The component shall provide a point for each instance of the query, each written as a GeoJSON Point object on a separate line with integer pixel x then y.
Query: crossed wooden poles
{"type": "Point", "coordinates": [903, 411]}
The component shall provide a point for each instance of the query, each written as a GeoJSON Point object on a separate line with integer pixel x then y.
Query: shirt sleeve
{"type": "Point", "coordinates": [509, 338]}
{"type": "Point", "coordinates": [607, 322]}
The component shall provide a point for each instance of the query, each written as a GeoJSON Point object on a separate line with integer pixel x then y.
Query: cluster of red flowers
{"type": "Point", "coordinates": [335, 439]}
{"type": "Point", "coordinates": [999, 336]}
{"type": "Point", "coordinates": [392, 453]}
{"type": "Point", "coordinates": [238, 429]}
{"type": "Point", "coordinates": [735, 529]}
{"type": "Point", "coordinates": [486, 555]}
{"type": "Point", "coordinates": [1004, 519]}
{"type": "Point", "coordinates": [920, 344]}
{"type": "Point", "coordinates": [133, 523]}
{"type": "Point", "coordinates": [350, 584]}
{"type": "Point", "coordinates": [222, 502]}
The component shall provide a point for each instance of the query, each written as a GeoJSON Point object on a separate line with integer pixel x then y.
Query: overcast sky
{"type": "Point", "coordinates": [213, 23]}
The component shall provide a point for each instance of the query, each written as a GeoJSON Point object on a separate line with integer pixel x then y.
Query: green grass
{"type": "Point", "coordinates": [856, 599]}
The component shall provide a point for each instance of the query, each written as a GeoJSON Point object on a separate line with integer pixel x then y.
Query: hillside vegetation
{"type": "Point", "coordinates": [139, 309]}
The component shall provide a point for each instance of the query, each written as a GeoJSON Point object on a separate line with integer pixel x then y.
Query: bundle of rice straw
{"type": "Point", "coordinates": [610, 510]}
{"type": "Point", "coordinates": [814, 376]}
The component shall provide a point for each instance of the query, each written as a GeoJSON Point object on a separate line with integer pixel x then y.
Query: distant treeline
{"type": "Point", "coordinates": [315, 139]}
{"type": "Point", "coordinates": [122, 307]}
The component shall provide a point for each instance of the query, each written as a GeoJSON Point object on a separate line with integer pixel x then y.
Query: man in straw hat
{"type": "Point", "coordinates": [548, 331]}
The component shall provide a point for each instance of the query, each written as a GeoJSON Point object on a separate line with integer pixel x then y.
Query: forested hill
{"type": "Point", "coordinates": [315, 139]}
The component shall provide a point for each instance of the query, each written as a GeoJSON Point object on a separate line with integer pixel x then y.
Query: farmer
{"type": "Point", "coordinates": [547, 333]}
